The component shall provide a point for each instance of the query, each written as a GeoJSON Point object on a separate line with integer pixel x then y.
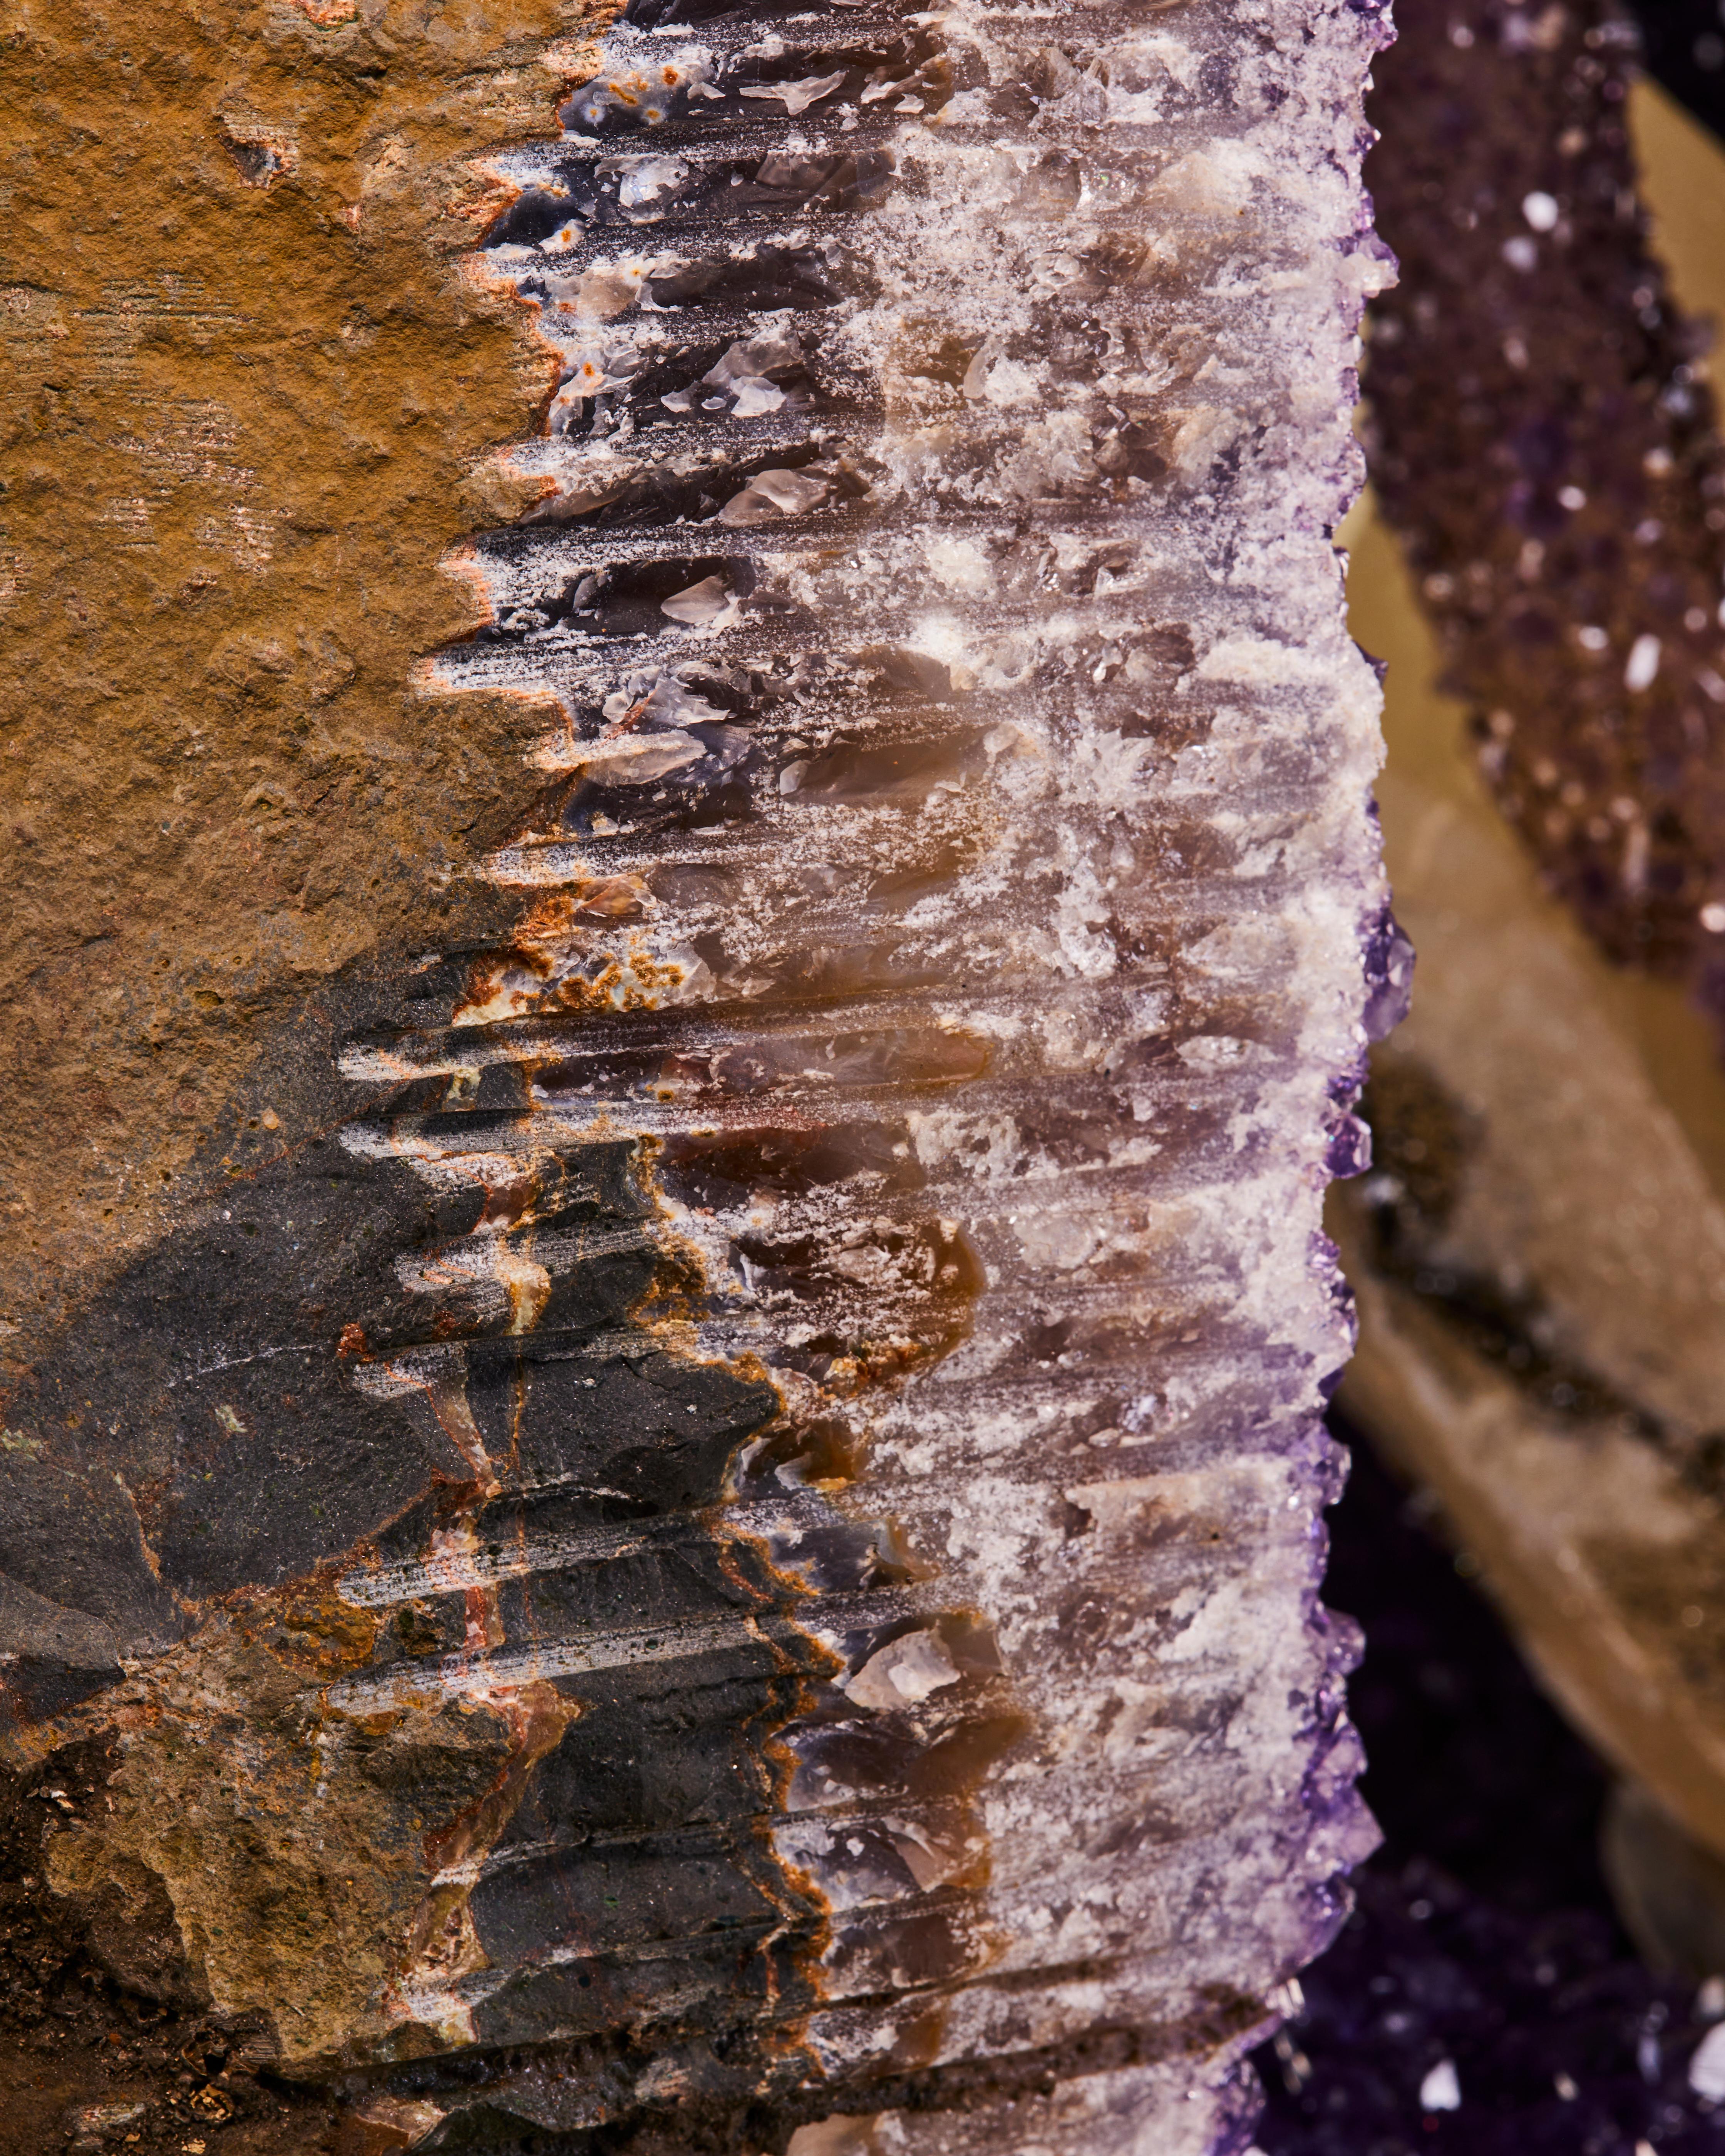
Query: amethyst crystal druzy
{"type": "Point", "coordinates": [1540, 1257]}
{"type": "Point", "coordinates": [733, 1549]}
{"type": "Point", "coordinates": [1544, 442]}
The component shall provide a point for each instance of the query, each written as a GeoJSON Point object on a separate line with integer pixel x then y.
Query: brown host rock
{"type": "Point", "coordinates": [249, 399]}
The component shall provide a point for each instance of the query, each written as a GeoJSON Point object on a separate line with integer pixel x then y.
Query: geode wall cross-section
{"type": "Point", "coordinates": [731, 1536]}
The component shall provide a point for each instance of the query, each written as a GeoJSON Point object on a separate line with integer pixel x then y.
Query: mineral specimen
{"type": "Point", "coordinates": [710, 1536]}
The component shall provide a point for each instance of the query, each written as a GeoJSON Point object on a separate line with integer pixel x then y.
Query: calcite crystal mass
{"type": "Point", "coordinates": [705, 1530]}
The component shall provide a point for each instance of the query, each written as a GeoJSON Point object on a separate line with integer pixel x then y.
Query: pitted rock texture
{"type": "Point", "coordinates": [248, 398]}
{"type": "Point", "coordinates": [722, 1536]}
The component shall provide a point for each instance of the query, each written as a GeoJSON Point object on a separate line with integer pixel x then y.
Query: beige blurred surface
{"type": "Point", "coordinates": [1683, 175]}
{"type": "Point", "coordinates": [1683, 183]}
{"type": "Point", "coordinates": [1594, 1190]}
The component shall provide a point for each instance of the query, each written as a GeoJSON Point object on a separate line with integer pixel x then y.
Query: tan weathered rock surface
{"type": "Point", "coordinates": [250, 399]}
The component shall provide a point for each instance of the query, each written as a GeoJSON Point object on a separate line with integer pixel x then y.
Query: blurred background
{"type": "Point", "coordinates": [1532, 1538]}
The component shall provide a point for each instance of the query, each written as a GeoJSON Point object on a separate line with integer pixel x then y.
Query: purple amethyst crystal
{"type": "Point", "coordinates": [1544, 440]}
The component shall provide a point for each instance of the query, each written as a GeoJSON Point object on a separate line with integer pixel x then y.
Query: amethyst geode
{"type": "Point", "coordinates": [731, 1550]}
{"type": "Point", "coordinates": [1544, 442]}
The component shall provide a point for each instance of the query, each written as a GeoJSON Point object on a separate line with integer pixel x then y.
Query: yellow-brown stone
{"type": "Point", "coordinates": [251, 398]}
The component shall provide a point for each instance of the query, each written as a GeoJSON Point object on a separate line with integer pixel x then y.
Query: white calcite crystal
{"type": "Point", "coordinates": [958, 881]}
{"type": "Point", "coordinates": [852, 1268]}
